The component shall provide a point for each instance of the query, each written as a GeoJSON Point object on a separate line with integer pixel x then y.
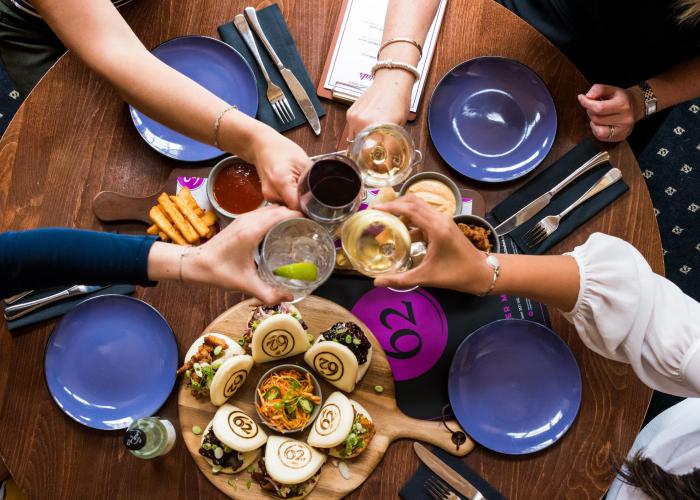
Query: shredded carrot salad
{"type": "Point", "coordinates": [286, 399]}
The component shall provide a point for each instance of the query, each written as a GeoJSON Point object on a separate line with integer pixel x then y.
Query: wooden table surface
{"type": "Point", "coordinates": [73, 137]}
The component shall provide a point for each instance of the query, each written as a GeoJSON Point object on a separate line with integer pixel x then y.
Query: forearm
{"type": "Point", "coordinates": [678, 84]}
{"type": "Point", "coordinates": [98, 34]}
{"type": "Point", "coordinates": [405, 19]}
{"type": "Point", "coordinates": [42, 258]}
{"type": "Point", "coordinates": [553, 280]}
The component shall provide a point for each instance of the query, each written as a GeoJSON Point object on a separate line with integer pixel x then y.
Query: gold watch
{"type": "Point", "coordinates": [649, 99]}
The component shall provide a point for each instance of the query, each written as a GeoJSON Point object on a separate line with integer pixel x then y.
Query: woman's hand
{"type": "Point", "coordinates": [280, 163]}
{"type": "Point", "coordinates": [387, 100]}
{"type": "Point", "coordinates": [452, 261]}
{"type": "Point", "coordinates": [226, 261]}
{"type": "Point", "coordinates": [613, 111]}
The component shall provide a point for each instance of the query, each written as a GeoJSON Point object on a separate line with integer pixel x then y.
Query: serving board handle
{"type": "Point", "coordinates": [109, 206]}
{"type": "Point", "coordinates": [431, 432]}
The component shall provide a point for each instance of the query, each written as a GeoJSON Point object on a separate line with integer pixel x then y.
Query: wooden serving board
{"type": "Point", "coordinates": [110, 206]}
{"type": "Point", "coordinates": [390, 423]}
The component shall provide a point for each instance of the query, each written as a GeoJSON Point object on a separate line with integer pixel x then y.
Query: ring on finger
{"type": "Point", "coordinates": [611, 131]}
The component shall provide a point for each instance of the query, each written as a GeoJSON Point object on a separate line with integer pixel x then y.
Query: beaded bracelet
{"type": "Point", "coordinates": [391, 64]}
{"type": "Point", "coordinates": [217, 125]}
{"type": "Point", "coordinates": [401, 40]}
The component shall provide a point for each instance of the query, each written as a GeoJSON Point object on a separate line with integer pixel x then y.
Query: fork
{"type": "Point", "coordinates": [278, 101]}
{"type": "Point", "coordinates": [438, 490]}
{"type": "Point", "coordinates": [544, 228]}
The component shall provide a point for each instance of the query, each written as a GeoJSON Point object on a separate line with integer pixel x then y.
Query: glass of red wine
{"type": "Point", "coordinates": [330, 191]}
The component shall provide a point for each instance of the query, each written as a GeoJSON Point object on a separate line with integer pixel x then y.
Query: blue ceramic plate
{"type": "Point", "coordinates": [514, 386]}
{"type": "Point", "coordinates": [492, 119]}
{"type": "Point", "coordinates": [215, 66]}
{"type": "Point", "coordinates": [111, 360]}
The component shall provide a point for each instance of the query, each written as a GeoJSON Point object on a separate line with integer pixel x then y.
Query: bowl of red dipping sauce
{"type": "Point", "coordinates": [234, 188]}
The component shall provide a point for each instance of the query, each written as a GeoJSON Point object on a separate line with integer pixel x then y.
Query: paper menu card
{"type": "Point", "coordinates": [348, 70]}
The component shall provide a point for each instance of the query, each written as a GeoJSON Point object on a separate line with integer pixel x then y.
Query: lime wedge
{"type": "Point", "coordinates": [304, 271]}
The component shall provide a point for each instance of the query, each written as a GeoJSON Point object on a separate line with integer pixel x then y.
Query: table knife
{"type": "Point", "coordinates": [447, 473]}
{"type": "Point", "coordinates": [300, 95]}
{"type": "Point", "coordinates": [18, 310]}
{"type": "Point", "coordinates": [529, 210]}
{"type": "Point", "coordinates": [11, 300]}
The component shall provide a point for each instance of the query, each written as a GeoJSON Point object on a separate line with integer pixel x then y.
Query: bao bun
{"type": "Point", "coordinates": [233, 347]}
{"type": "Point", "coordinates": [335, 423]}
{"type": "Point", "coordinates": [232, 373]}
{"type": "Point", "coordinates": [289, 461]}
{"type": "Point", "coordinates": [277, 337]}
{"type": "Point", "coordinates": [336, 363]}
{"type": "Point", "coordinates": [238, 431]}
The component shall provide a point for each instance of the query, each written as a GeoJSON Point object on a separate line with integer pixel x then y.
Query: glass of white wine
{"type": "Point", "coordinates": [376, 243]}
{"type": "Point", "coordinates": [385, 154]}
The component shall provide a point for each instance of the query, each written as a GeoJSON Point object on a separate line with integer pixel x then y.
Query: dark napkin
{"type": "Point", "coordinates": [275, 28]}
{"type": "Point", "coordinates": [58, 308]}
{"type": "Point", "coordinates": [414, 489]}
{"type": "Point", "coordinates": [549, 178]}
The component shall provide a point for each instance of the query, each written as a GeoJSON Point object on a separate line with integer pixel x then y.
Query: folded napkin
{"type": "Point", "coordinates": [546, 180]}
{"type": "Point", "coordinates": [414, 489]}
{"type": "Point", "coordinates": [275, 28]}
{"type": "Point", "coordinates": [58, 308]}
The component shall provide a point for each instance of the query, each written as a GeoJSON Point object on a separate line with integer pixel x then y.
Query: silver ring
{"type": "Point", "coordinates": [612, 131]}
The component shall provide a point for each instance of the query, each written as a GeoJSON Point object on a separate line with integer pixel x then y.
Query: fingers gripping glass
{"type": "Point", "coordinates": [297, 256]}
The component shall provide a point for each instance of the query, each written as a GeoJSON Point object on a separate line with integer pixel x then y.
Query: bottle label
{"type": "Point", "coordinates": [135, 439]}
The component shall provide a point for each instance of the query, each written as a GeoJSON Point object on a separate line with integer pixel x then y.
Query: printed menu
{"type": "Point", "coordinates": [348, 70]}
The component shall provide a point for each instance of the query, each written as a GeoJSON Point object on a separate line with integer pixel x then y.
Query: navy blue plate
{"type": "Point", "coordinates": [514, 386]}
{"type": "Point", "coordinates": [111, 360]}
{"type": "Point", "coordinates": [215, 66]}
{"type": "Point", "coordinates": [492, 119]}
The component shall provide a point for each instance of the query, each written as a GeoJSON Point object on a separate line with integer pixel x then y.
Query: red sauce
{"type": "Point", "coordinates": [237, 188]}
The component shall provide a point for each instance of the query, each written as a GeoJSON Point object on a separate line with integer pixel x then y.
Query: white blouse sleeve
{"type": "Point", "coordinates": [628, 313]}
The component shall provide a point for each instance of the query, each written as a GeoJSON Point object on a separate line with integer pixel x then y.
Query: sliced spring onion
{"type": "Point", "coordinates": [216, 469]}
{"type": "Point", "coordinates": [378, 388]}
{"type": "Point", "coordinates": [196, 430]}
{"type": "Point", "coordinates": [217, 350]}
{"type": "Point", "coordinates": [218, 452]}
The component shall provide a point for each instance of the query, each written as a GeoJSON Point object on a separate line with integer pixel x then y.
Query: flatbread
{"type": "Point", "coordinates": [237, 430]}
{"type": "Point", "coordinates": [277, 337]}
{"type": "Point", "coordinates": [289, 461]}
{"type": "Point", "coordinates": [229, 378]}
{"type": "Point", "coordinates": [334, 422]}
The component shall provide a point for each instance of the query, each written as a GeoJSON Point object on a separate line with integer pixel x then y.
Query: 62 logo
{"type": "Point", "coordinates": [410, 326]}
{"type": "Point", "coordinates": [278, 343]}
{"type": "Point", "coordinates": [294, 454]}
{"type": "Point", "coordinates": [328, 366]}
{"type": "Point", "coordinates": [328, 419]}
{"type": "Point", "coordinates": [234, 382]}
{"type": "Point", "coordinates": [242, 425]}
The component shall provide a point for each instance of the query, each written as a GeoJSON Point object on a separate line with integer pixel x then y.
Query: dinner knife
{"type": "Point", "coordinates": [300, 95]}
{"type": "Point", "coordinates": [447, 473]}
{"type": "Point", "coordinates": [18, 310]}
{"type": "Point", "coordinates": [532, 208]}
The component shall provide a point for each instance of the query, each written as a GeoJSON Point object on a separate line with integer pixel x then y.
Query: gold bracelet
{"type": "Point", "coordinates": [391, 64]}
{"type": "Point", "coordinates": [401, 40]}
{"type": "Point", "coordinates": [217, 125]}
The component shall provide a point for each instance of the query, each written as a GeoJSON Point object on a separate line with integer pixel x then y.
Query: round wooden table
{"type": "Point", "coordinates": [73, 137]}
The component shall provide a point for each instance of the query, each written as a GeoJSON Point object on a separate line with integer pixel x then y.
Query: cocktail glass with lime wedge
{"type": "Point", "coordinates": [297, 256]}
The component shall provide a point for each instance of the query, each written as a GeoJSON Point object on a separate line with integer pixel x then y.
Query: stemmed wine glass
{"type": "Point", "coordinates": [331, 189]}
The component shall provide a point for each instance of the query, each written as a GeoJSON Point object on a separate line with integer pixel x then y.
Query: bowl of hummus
{"type": "Point", "coordinates": [438, 190]}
